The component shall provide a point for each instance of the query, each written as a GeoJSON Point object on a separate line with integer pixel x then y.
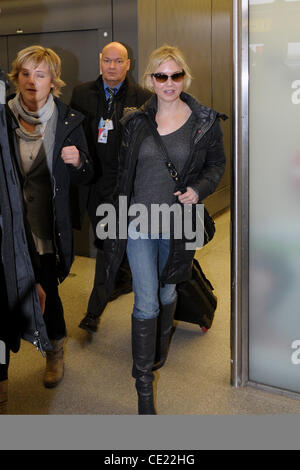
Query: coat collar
{"type": "Point", "coordinates": [67, 114]}
{"type": "Point", "coordinates": [64, 112]}
{"type": "Point", "coordinates": [99, 86]}
{"type": "Point", "coordinates": [202, 113]}
{"type": "Point", "coordinates": [128, 88]}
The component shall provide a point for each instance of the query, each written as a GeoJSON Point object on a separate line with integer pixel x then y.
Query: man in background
{"type": "Point", "coordinates": [103, 102]}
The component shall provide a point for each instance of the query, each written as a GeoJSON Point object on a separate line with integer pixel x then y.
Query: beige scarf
{"type": "Point", "coordinates": [38, 118]}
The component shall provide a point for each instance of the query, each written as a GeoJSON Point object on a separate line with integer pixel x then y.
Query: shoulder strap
{"type": "Point", "coordinates": [207, 222]}
{"type": "Point", "coordinates": [180, 186]}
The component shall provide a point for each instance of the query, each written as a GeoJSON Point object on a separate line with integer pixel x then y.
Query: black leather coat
{"type": "Point", "coordinates": [202, 171]}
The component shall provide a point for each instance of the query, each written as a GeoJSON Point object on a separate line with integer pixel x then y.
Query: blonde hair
{"type": "Point", "coordinates": [161, 55]}
{"type": "Point", "coordinates": [38, 54]}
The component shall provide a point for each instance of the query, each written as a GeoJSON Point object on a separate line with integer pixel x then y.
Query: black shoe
{"type": "Point", "coordinates": [89, 323]}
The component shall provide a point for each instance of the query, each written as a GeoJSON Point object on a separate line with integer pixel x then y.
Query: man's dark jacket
{"type": "Point", "coordinates": [202, 171]}
{"type": "Point", "coordinates": [69, 131]}
{"type": "Point", "coordinates": [89, 98]}
{"type": "Point", "coordinates": [21, 315]}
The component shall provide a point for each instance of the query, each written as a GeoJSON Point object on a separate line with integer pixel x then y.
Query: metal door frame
{"type": "Point", "coordinates": [240, 207]}
{"type": "Point", "coordinates": [240, 210]}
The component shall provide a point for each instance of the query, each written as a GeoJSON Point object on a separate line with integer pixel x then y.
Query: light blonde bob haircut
{"type": "Point", "coordinates": [161, 55]}
{"type": "Point", "coordinates": [38, 54]}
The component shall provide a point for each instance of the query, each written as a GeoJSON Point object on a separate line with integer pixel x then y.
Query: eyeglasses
{"type": "Point", "coordinates": [162, 77]}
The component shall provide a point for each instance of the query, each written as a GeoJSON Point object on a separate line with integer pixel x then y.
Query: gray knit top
{"type": "Point", "coordinates": [153, 183]}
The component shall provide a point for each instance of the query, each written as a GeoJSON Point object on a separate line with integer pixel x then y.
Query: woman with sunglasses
{"type": "Point", "coordinates": [192, 136]}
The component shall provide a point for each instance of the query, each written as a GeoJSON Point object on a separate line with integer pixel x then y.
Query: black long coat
{"type": "Point", "coordinates": [202, 171]}
{"type": "Point", "coordinates": [89, 99]}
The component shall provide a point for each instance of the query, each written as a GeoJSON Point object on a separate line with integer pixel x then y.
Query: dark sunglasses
{"type": "Point", "coordinates": [162, 77]}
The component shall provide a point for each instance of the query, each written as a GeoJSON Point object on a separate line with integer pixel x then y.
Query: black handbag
{"type": "Point", "coordinates": [196, 302]}
{"type": "Point", "coordinates": [208, 224]}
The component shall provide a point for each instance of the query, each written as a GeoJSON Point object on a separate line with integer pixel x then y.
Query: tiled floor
{"type": "Point", "coordinates": [194, 381]}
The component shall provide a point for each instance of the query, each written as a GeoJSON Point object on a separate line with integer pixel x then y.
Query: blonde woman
{"type": "Point", "coordinates": [51, 151]}
{"type": "Point", "coordinates": [192, 135]}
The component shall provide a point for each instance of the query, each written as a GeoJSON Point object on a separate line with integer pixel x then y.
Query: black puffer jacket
{"type": "Point", "coordinates": [69, 131]}
{"type": "Point", "coordinates": [202, 171]}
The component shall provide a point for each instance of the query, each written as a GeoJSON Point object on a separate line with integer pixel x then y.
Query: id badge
{"type": "Point", "coordinates": [102, 132]}
{"type": "Point", "coordinates": [102, 135]}
{"type": "Point", "coordinates": [108, 124]}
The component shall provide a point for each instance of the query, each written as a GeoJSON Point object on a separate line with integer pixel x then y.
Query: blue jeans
{"type": "Point", "coordinates": [147, 258]}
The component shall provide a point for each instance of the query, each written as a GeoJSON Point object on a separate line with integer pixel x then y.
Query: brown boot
{"type": "Point", "coordinates": [3, 397]}
{"type": "Point", "coordinates": [55, 364]}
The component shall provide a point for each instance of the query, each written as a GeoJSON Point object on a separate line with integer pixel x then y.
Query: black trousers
{"type": "Point", "coordinates": [98, 298]}
{"type": "Point", "coordinates": [54, 313]}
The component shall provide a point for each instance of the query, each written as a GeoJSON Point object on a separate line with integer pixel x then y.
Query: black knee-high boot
{"type": "Point", "coordinates": [164, 333]}
{"type": "Point", "coordinates": [143, 352]}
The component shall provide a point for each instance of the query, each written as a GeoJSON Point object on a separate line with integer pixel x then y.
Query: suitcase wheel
{"type": "Point", "coordinates": [203, 329]}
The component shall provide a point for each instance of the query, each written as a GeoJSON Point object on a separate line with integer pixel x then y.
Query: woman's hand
{"type": "Point", "coordinates": [42, 297]}
{"type": "Point", "coordinates": [189, 197]}
{"type": "Point", "coordinates": [71, 156]}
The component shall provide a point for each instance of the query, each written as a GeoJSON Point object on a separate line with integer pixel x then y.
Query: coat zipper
{"type": "Point", "coordinates": [37, 343]}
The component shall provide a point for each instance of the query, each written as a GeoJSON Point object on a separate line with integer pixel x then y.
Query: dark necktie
{"type": "Point", "coordinates": [111, 92]}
